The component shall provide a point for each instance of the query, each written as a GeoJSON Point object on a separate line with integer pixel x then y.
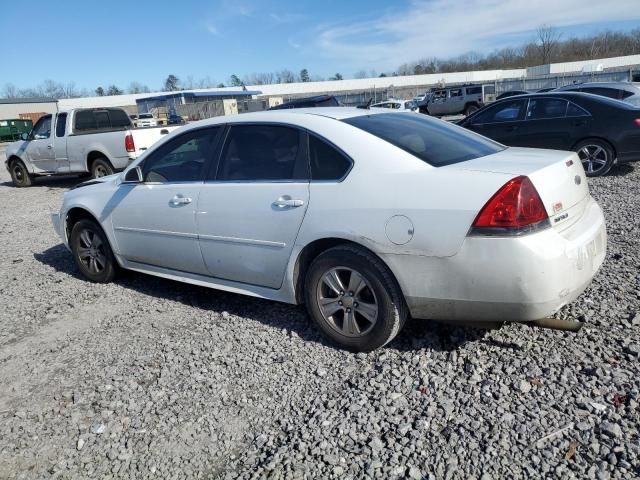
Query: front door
{"type": "Point", "coordinates": [154, 221]}
{"type": "Point", "coordinates": [250, 212]}
{"type": "Point", "coordinates": [39, 148]}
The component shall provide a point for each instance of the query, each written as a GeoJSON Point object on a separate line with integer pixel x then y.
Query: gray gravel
{"type": "Point", "coordinates": [147, 378]}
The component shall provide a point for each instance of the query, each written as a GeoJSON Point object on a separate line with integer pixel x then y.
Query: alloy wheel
{"type": "Point", "coordinates": [18, 174]}
{"type": "Point", "coordinates": [594, 158]}
{"type": "Point", "coordinates": [100, 171]}
{"type": "Point", "coordinates": [91, 251]}
{"type": "Point", "coordinates": [347, 301]}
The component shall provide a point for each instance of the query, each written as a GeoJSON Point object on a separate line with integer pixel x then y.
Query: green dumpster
{"type": "Point", "coordinates": [12, 128]}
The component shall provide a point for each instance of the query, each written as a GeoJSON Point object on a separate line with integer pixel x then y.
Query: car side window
{"type": "Point", "coordinates": [261, 152]}
{"type": "Point", "coordinates": [540, 108]}
{"type": "Point", "coordinates": [327, 163]}
{"type": "Point", "coordinates": [182, 159]}
{"type": "Point", "coordinates": [119, 118]}
{"type": "Point", "coordinates": [456, 93]}
{"type": "Point", "coordinates": [574, 110]}
{"type": "Point", "coordinates": [102, 119]}
{"type": "Point", "coordinates": [42, 129]}
{"type": "Point", "coordinates": [85, 120]}
{"type": "Point", "coordinates": [602, 91]}
{"type": "Point", "coordinates": [508, 111]}
{"type": "Point", "coordinates": [61, 124]}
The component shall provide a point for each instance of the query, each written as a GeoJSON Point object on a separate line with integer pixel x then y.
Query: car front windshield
{"type": "Point", "coordinates": [433, 141]}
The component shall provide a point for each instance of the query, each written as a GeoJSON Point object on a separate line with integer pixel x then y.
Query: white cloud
{"type": "Point", "coordinates": [287, 17]}
{"type": "Point", "coordinates": [446, 28]}
{"type": "Point", "coordinates": [211, 28]}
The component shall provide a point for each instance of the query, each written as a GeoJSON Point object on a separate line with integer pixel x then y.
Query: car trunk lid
{"type": "Point", "coordinates": [558, 176]}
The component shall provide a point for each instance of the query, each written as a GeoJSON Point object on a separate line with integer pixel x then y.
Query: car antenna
{"type": "Point", "coordinates": [366, 106]}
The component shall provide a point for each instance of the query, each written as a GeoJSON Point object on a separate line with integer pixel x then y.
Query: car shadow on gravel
{"type": "Point", "coordinates": [51, 182]}
{"type": "Point", "coordinates": [621, 170]}
{"type": "Point", "coordinates": [417, 334]}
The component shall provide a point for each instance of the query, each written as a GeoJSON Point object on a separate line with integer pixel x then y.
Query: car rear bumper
{"type": "Point", "coordinates": [505, 279]}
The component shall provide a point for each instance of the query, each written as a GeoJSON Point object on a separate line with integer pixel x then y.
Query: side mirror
{"type": "Point", "coordinates": [133, 176]}
{"type": "Point", "coordinates": [24, 136]}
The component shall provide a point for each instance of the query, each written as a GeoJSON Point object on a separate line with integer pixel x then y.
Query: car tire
{"type": "Point", "coordinates": [20, 176]}
{"type": "Point", "coordinates": [597, 156]}
{"type": "Point", "coordinates": [354, 299]}
{"type": "Point", "coordinates": [92, 252]}
{"type": "Point", "coordinates": [469, 109]}
{"type": "Point", "coordinates": [101, 168]}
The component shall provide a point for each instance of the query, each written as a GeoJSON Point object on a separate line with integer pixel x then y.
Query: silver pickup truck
{"type": "Point", "coordinates": [91, 141]}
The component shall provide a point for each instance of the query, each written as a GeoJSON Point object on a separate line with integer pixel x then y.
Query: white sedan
{"type": "Point", "coordinates": [397, 105]}
{"type": "Point", "coordinates": [366, 217]}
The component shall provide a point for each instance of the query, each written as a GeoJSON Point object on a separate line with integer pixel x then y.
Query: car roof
{"type": "Point", "coordinates": [630, 87]}
{"type": "Point", "coordinates": [567, 95]}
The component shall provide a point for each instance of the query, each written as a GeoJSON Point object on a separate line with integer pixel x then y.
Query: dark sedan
{"type": "Point", "coordinates": [599, 129]}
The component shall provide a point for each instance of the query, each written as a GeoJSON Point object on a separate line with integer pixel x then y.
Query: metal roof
{"type": "Point", "coordinates": [225, 93]}
{"type": "Point", "coordinates": [27, 100]}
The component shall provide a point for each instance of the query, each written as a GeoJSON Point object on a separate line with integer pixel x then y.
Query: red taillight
{"type": "Point", "coordinates": [637, 122]}
{"type": "Point", "coordinates": [515, 208]}
{"type": "Point", "coordinates": [128, 143]}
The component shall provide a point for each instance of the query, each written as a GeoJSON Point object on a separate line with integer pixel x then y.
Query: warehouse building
{"type": "Point", "coordinates": [26, 108]}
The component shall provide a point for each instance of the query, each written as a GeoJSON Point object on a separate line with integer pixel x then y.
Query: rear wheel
{"type": "Point", "coordinates": [20, 175]}
{"type": "Point", "coordinates": [91, 252]}
{"type": "Point", "coordinates": [469, 109]}
{"type": "Point", "coordinates": [354, 300]}
{"type": "Point", "coordinates": [101, 168]}
{"type": "Point", "coordinates": [597, 156]}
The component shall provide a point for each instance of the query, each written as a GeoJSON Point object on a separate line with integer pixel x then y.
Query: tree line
{"type": "Point", "coordinates": [548, 46]}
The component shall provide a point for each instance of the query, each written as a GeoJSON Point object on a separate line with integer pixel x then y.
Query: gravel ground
{"type": "Point", "coordinates": [148, 378]}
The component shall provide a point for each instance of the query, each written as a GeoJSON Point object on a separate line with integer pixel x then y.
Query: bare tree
{"type": "Point", "coordinates": [10, 91]}
{"type": "Point", "coordinates": [548, 38]}
{"type": "Point", "coordinates": [360, 74]}
{"type": "Point", "coordinates": [137, 87]}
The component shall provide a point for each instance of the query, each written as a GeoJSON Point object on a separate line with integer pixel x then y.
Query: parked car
{"type": "Point", "coordinates": [94, 141]}
{"type": "Point", "coordinates": [456, 100]}
{"type": "Point", "coordinates": [365, 216]}
{"type": "Point", "coordinates": [316, 101]}
{"type": "Point", "coordinates": [625, 91]}
{"type": "Point", "coordinates": [146, 120]}
{"type": "Point", "coordinates": [174, 119]}
{"type": "Point", "coordinates": [599, 129]}
{"type": "Point", "coordinates": [397, 105]}
{"type": "Point", "coordinates": [511, 93]}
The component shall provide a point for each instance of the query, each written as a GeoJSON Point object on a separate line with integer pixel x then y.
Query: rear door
{"type": "Point", "coordinates": [250, 211]}
{"type": "Point", "coordinates": [501, 121]}
{"type": "Point", "coordinates": [60, 144]}
{"type": "Point", "coordinates": [547, 125]}
{"type": "Point", "coordinates": [455, 104]}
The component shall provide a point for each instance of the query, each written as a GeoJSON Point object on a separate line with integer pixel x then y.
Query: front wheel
{"type": "Point", "coordinates": [596, 156]}
{"type": "Point", "coordinates": [101, 168]}
{"type": "Point", "coordinates": [91, 252]}
{"type": "Point", "coordinates": [353, 298]}
{"type": "Point", "coordinates": [20, 175]}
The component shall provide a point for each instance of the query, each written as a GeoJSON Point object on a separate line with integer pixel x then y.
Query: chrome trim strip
{"type": "Point", "coordinates": [157, 232]}
{"type": "Point", "coordinates": [246, 241]}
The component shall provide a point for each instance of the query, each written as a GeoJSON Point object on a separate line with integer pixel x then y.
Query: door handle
{"type": "Point", "coordinates": [180, 199]}
{"type": "Point", "coordinates": [286, 201]}
{"type": "Point", "coordinates": [511, 129]}
{"type": "Point", "coordinates": [49, 147]}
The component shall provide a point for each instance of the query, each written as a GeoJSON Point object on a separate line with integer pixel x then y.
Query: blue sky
{"type": "Point", "coordinates": [95, 43]}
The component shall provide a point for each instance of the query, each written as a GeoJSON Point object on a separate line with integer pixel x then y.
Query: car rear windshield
{"type": "Point", "coordinates": [434, 141]}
